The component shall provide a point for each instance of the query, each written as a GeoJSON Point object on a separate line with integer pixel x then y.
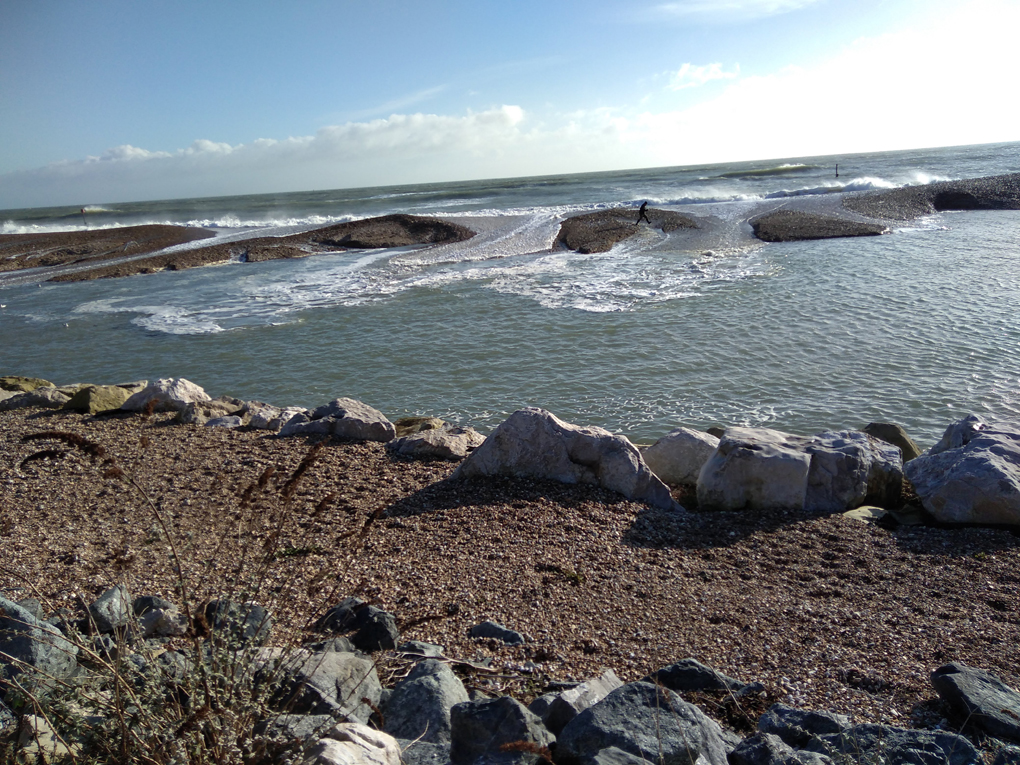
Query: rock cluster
{"type": "Point", "coordinates": [324, 702]}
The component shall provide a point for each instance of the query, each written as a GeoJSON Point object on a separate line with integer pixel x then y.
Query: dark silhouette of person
{"type": "Point", "coordinates": [642, 215]}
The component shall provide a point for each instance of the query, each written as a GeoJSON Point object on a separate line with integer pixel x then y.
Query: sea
{"type": "Point", "coordinates": [694, 328]}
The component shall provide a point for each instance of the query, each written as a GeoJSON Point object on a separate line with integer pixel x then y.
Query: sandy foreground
{"type": "Point", "coordinates": [828, 612]}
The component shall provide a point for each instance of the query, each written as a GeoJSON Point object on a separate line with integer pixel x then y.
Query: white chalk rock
{"type": "Point", "coordinates": [975, 481]}
{"type": "Point", "coordinates": [534, 443]}
{"type": "Point", "coordinates": [354, 744]}
{"type": "Point", "coordinates": [677, 457]}
{"type": "Point", "coordinates": [167, 395]}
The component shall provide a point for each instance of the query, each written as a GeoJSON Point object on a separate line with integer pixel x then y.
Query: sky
{"type": "Point", "coordinates": [120, 100]}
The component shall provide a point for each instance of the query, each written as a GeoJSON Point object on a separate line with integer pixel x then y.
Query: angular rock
{"type": "Point", "coordinates": [285, 727]}
{"type": "Point", "coordinates": [446, 443]}
{"type": "Point", "coordinates": [959, 434]}
{"type": "Point", "coordinates": [342, 418]}
{"type": "Point", "coordinates": [39, 743]}
{"type": "Point", "coordinates": [166, 395]}
{"type": "Point", "coordinates": [147, 603]}
{"type": "Point", "coordinates": [27, 645]}
{"type": "Point", "coordinates": [643, 720]}
{"type": "Point", "coordinates": [874, 743]}
{"type": "Point", "coordinates": [238, 624]}
{"type": "Point", "coordinates": [1008, 755]}
{"type": "Point", "coordinates": [332, 682]}
{"type": "Point", "coordinates": [895, 435]}
{"type": "Point", "coordinates": [758, 469]}
{"type": "Point", "coordinates": [93, 399]}
{"type": "Point", "coordinates": [423, 753]}
{"type": "Point", "coordinates": [479, 728]}
{"type": "Point", "coordinates": [160, 622]}
{"type": "Point", "coordinates": [769, 749]}
{"type": "Point", "coordinates": [20, 384]}
{"type": "Point", "coordinates": [981, 698]}
{"type": "Point", "coordinates": [489, 629]}
{"type": "Point", "coordinates": [44, 397]}
{"type": "Point", "coordinates": [373, 628]}
{"type": "Point", "coordinates": [677, 457]}
{"type": "Point", "coordinates": [407, 426]}
{"type": "Point", "coordinates": [420, 706]}
{"type": "Point", "coordinates": [797, 727]}
{"type": "Point", "coordinates": [230, 421]}
{"type": "Point", "coordinates": [418, 648]}
{"type": "Point", "coordinates": [536, 444]}
{"type": "Point", "coordinates": [354, 744]}
{"type": "Point", "coordinates": [111, 610]}
{"type": "Point", "coordinates": [269, 417]}
{"type": "Point", "coordinates": [200, 412]}
{"type": "Point", "coordinates": [977, 480]}
{"type": "Point", "coordinates": [692, 675]}
{"type": "Point", "coordinates": [569, 704]}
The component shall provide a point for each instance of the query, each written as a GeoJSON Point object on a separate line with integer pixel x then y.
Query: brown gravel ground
{"type": "Point", "coordinates": [828, 612]}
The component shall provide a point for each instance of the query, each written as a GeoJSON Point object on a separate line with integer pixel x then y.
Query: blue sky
{"type": "Point", "coordinates": [107, 101]}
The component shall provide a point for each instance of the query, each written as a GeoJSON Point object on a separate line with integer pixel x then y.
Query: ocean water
{"type": "Point", "coordinates": [699, 328]}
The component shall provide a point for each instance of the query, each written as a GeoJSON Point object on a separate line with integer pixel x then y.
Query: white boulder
{"type": "Point", "coordinates": [534, 443]}
{"type": "Point", "coordinates": [354, 744]}
{"type": "Point", "coordinates": [759, 469]}
{"type": "Point", "coordinates": [677, 457]}
{"type": "Point", "coordinates": [971, 476]}
{"type": "Point", "coordinates": [166, 395]}
{"type": "Point", "coordinates": [449, 442]}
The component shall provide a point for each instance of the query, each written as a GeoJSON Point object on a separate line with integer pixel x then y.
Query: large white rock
{"type": "Point", "coordinates": [977, 480]}
{"type": "Point", "coordinates": [354, 744]}
{"type": "Point", "coordinates": [534, 443]}
{"type": "Point", "coordinates": [342, 418]}
{"type": "Point", "coordinates": [167, 395]}
{"type": "Point", "coordinates": [755, 469]}
{"type": "Point", "coordinates": [759, 468]}
{"type": "Point", "coordinates": [679, 456]}
{"type": "Point", "coordinates": [449, 442]}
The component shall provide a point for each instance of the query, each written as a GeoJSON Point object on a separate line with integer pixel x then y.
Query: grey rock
{"type": "Point", "coordinates": [449, 442]}
{"type": "Point", "coordinates": [489, 629]}
{"type": "Point", "coordinates": [336, 644]}
{"type": "Point", "coordinates": [238, 624]}
{"type": "Point", "coordinates": [407, 426]}
{"type": "Point", "coordinates": [230, 421]}
{"type": "Point", "coordinates": [33, 606]}
{"type": "Point", "coordinates": [203, 412]}
{"type": "Point", "coordinates": [163, 622]}
{"type": "Point", "coordinates": [1008, 755]}
{"type": "Point", "coordinates": [45, 397]}
{"type": "Point", "coordinates": [646, 721]}
{"type": "Point", "coordinates": [613, 756]}
{"type": "Point", "coordinates": [343, 418]}
{"type": "Point", "coordinates": [373, 628]}
{"type": "Point", "coordinates": [480, 728]}
{"type": "Point", "coordinates": [874, 743]}
{"type": "Point", "coordinates": [976, 481]}
{"type": "Point", "coordinates": [541, 705]}
{"type": "Point", "coordinates": [981, 698]}
{"type": "Point", "coordinates": [677, 457]}
{"type": "Point", "coordinates": [32, 651]}
{"type": "Point", "coordinates": [420, 705]}
{"type": "Point", "coordinates": [895, 435]}
{"type": "Point", "coordinates": [959, 434]}
{"type": "Point", "coordinates": [418, 648]}
{"type": "Point", "coordinates": [533, 443]}
{"type": "Point", "coordinates": [769, 749]}
{"type": "Point", "coordinates": [332, 683]}
{"type": "Point", "coordinates": [692, 675]}
{"type": "Point", "coordinates": [423, 753]}
{"type": "Point", "coordinates": [568, 704]}
{"type": "Point", "coordinates": [111, 610]}
{"type": "Point", "coordinates": [8, 720]}
{"type": "Point", "coordinates": [797, 727]}
{"type": "Point", "coordinates": [148, 602]}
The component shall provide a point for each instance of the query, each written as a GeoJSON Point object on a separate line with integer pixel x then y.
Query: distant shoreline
{"type": "Point", "coordinates": [125, 251]}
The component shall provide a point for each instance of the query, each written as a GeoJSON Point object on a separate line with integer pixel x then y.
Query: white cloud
{"type": "Point", "coordinates": [691, 76]}
{"type": "Point", "coordinates": [400, 148]}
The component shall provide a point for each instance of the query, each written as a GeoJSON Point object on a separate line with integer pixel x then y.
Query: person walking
{"type": "Point", "coordinates": [642, 215]}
